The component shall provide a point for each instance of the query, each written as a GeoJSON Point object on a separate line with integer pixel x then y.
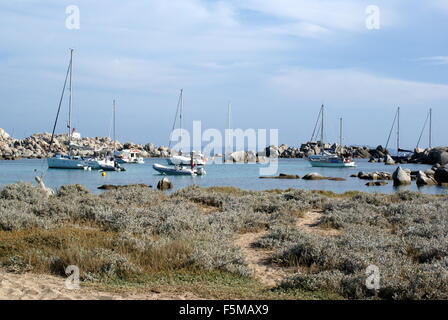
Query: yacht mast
{"type": "Point", "coordinates": [340, 132]}
{"type": "Point", "coordinates": [70, 105]}
{"type": "Point", "coordinates": [398, 131]}
{"type": "Point", "coordinates": [114, 136]}
{"type": "Point", "coordinates": [322, 128]}
{"type": "Point", "coordinates": [180, 117]}
{"type": "Point", "coordinates": [430, 127]}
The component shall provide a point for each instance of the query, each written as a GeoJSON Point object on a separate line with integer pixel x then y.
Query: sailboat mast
{"type": "Point", "coordinates": [398, 131]}
{"type": "Point", "coordinates": [70, 101]}
{"type": "Point", "coordinates": [180, 117]}
{"type": "Point", "coordinates": [430, 127]}
{"type": "Point", "coordinates": [322, 126]}
{"type": "Point", "coordinates": [340, 132]}
{"type": "Point", "coordinates": [114, 136]}
{"type": "Point", "coordinates": [229, 110]}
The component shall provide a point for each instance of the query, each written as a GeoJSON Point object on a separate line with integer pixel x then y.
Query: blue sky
{"type": "Point", "coordinates": [277, 61]}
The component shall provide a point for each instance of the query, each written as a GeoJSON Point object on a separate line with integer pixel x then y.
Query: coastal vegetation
{"type": "Point", "coordinates": [317, 244]}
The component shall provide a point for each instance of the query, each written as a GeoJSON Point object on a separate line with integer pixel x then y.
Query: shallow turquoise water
{"type": "Point", "coordinates": [245, 176]}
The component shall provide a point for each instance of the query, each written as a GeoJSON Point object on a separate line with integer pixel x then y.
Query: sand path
{"type": "Point", "coordinates": [258, 259]}
{"type": "Point", "coordinates": [30, 286]}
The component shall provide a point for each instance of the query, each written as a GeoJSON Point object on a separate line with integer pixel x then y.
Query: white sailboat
{"type": "Point", "coordinates": [106, 163]}
{"type": "Point", "coordinates": [328, 159]}
{"type": "Point", "coordinates": [181, 159]}
{"type": "Point", "coordinates": [66, 161]}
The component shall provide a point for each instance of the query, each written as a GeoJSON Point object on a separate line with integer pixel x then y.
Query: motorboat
{"type": "Point", "coordinates": [331, 160]}
{"type": "Point", "coordinates": [129, 156]}
{"type": "Point", "coordinates": [198, 160]}
{"type": "Point", "coordinates": [178, 170]}
{"type": "Point", "coordinates": [104, 164]}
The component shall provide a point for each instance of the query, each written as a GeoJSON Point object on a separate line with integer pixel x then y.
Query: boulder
{"type": "Point", "coordinates": [313, 176]}
{"type": "Point", "coordinates": [401, 177]}
{"type": "Point", "coordinates": [441, 175]}
{"type": "Point", "coordinates": [425, 180]}
{"type": "Point", "coordinates": [115, 187]}
{"type": "Point", "coordinates": [238, 156]}
{"type": "Point", "coordinates": [4, 135]}
{"type": "Point", "coordinates": [251, 156]}
{"type": "Point", "coordinates": [281, 176]}
{"type": "Point", "coordinates": [272, 152]}
{"type": "Point", "coordinates": [164, 184]}
{"type": "Point", "coordinates": [376, 183]}
{"type": "Point", "coordinates": [438, 155]}
{"type": "Point", "coordinates": [388, 160]}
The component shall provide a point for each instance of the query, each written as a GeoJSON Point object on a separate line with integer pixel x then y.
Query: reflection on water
{"type": "Point", "coordinates": [245, 176]}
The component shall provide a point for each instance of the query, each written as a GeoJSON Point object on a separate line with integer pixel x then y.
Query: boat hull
{"type": "Point", "coordinates": [181, 160]}
{"type": "Point", "coordinates": [333, 165]}
{"type": "Point", "coordinates": [66, 163]}
{"type": "Point", "coordinates": [173, 171]}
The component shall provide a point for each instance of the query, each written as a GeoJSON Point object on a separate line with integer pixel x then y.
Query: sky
{"type": "Point", "coordinates": [276, 61]}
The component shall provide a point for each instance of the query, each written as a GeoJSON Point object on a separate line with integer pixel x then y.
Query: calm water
{"type": "Point", "coordinates": [240, 175]}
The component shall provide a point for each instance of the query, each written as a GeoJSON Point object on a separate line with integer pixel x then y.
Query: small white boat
{"type": "Point", "coordinates": [331, 160]}
{"type": "Point", "coordinates": [178, 170]}
{"type": "Point", "coordinates": [104, 164]}
{"type": "Point", "coordinates": [66, 162]}
{"type": "Point", "coordinates": [198, 160]}
{"type": "Point", "coordinates": [130, 156]}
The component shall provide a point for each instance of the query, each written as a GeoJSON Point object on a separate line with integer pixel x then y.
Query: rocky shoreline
{"type": "Point", "coordinates": [37, 146]}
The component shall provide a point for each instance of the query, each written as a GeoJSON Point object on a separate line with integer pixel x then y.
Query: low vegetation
{"type": "Point", "coordinates": [137, 236]}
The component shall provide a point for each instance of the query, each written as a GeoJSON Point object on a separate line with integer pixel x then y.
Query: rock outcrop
{"type": "Point", "coordinates": [164, 184]}
{"type": "Point", "coordinates": [424, 179]}
{"type": "Point", "coordinates": [401, 177]}
{"type": "Point", "coordinates": [441, 175]}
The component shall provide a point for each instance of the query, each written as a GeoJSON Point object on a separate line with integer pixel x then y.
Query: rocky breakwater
{"type": "Point", "coordinates": [314, 148]}
{"type": "Point", "coordinates": [437, 155]}
{"type": "Point", "coordinates": [37, 146]}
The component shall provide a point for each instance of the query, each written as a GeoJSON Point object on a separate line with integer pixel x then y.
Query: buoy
{"type": "Point", "coordinates": [103, 174]}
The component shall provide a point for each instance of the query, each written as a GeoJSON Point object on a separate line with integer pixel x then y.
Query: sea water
{"type": "Point", "coordinates": [245, 176]}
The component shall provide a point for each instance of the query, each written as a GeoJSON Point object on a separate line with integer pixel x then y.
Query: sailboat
{"type": "Point", "coordinates": [180, 159]}
{"type": "Point", "coordinates": [428, 117]}
{"type": "Point", "coordinates": [328, 159]}
{"type": "Point", "coordinates": [69, 161]}
{"type": "Point", "coordinates": [402, 154]}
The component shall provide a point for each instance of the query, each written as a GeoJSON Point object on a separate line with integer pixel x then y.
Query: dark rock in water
{"type": "Point", "coordinates": [164, 184]}
{"type": "Point", "coordinates": [401, 177]}
{"type": "Point", "coordinates": [376, 183]}
{"type": "Point", "coordinates": [353, 176]}
{"type": "Point", "coordinates": [317, 176]}
{"type": "Point", "coordinates": [281, 176]}
{"type": "Point", "coordinates": [372, 160]}
{"type": "Point", "coordinates": [337, 179]}
{"type": "Point", "coordinates": [115, 187]}
{"type": "Point", "coordinates": [313, 176]}
{"type": "Point", "coordinates": [389, 161]}
{"type": "Point", "coordinates": [441, 175]}
{"type": "Point", "coordinates": [425, 180]}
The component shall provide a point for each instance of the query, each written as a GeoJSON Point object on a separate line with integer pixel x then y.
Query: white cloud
{"type": "Point", "coordinates": [354, 87]}
{"type": "Point", "coordinates": [437, 60]}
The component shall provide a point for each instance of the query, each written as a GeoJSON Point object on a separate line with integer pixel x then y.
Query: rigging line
{"type": "Point", "coordinates": [59, 107]}
{"type": "Point", "coordinates": [391, 129]}
{"type": "Point", "coordinates": [423, 129]}
{"type": "Point", "coordinates": [315, 126]}
{"type": "Point", "coordinates": [175, 120]}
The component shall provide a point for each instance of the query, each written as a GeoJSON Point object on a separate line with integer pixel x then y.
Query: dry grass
{"type": "Point", "coordinates": [138, 237]}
